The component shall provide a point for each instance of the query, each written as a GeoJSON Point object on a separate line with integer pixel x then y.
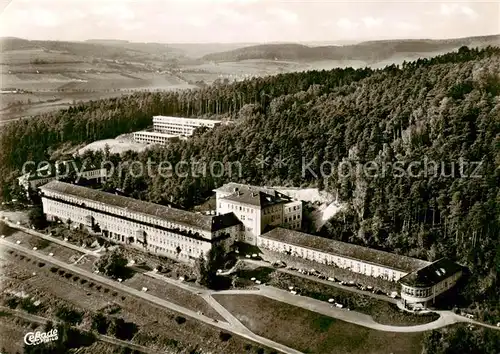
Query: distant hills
{"type": "Point", "coordinates": [366, 51]}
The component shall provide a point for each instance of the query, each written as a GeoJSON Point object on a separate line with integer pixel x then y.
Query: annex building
{"type": "Point", "coordinates": [421, 281]}
{"type": "Point", "coordinates": [60, 170]}
{"type": "Point", "coordinates": [154, 228]}
{"type": "Point", "coordinates": [258, 209]}
{"type": "Point", "coordinates": [166, 128]}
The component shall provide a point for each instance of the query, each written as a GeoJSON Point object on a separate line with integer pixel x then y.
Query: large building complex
{"type": "Point", "coordinates": [421, 281]}
{"type": "Point", "coordinates": [154, 228]}
{"type": "Point", "coordinates": [166, 128]}
{"type": "Point", "coordinates": [61, 170]}
{"type": "Point", "coordinates": [258, 209]}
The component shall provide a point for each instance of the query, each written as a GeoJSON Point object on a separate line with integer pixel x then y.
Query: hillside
{"type": "Point", "coordinates": [367, 51]}
{"type": "Point", "coordinates": [440, 113]}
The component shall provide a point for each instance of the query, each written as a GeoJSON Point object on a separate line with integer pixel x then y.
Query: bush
{"type": "Point", "coordinates": [224, 336]}
{"type": "Point", "coordinates": [121, 329]}
{"type": "Point", "coordinates": [69, 315]}
{"type": "Point", "coordinates": [28, 306]}
{"type": "Point", "coordinates": [100, 323]}
{"type": "Point", "coordinates": [12, 302]}
{"type": "Point", "coordinates": [180, 320]}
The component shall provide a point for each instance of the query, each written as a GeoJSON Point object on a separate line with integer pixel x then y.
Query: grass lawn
{"type": "Point", "coordinates": [45, 247]}
{"type": "Point", "coordinates": [158, 328]}
{"type": "Point", "coordinates": [12, 333]}
{"type": "Point", "coordinates": [382, 311]}
{"type": "Point", "coordinates": [310, 332]}
{"type": "Point", "coordinates": [169, 292]}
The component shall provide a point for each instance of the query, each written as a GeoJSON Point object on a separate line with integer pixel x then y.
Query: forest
{"type": "Point", "coordinates": [443, 111]}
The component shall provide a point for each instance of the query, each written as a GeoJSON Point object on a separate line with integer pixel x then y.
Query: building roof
{"type": "Point", "coordinates": [197, 120]}
{"type": "Point", "coordinates": [365, 254]}
{"type": "Point", "coordinates": [431, 274]}
{"type": "Point", "coordinates": [210, 223]}
{"type": "Point", "coordinates": [156, 134]}
{"type": "Point", "coordinates": [252, 195]}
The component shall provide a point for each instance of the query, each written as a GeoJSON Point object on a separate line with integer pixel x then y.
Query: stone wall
{"type": "Point", "coordinates": [329, 270]}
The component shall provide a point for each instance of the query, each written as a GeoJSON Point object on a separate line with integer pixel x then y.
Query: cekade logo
{"type": "Point", "coordinates": [34, 338]}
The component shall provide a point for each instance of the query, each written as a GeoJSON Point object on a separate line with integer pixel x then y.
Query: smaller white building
{"type": "Point", "coordinates": [61, 170]}
{"type": "Point", "coordinates": [152, 137]}
{"type": "Point", "coordinates": [424, 285]}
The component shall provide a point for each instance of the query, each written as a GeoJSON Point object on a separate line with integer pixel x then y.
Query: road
{"type": "Point", "coordinates": [235, 326]}
{"type": "Point", "coordinates": [326, 282]}
{"type": "Point", "coordinates": [226, 326]}
{"type": "Point", "coordinates": [108, 339]}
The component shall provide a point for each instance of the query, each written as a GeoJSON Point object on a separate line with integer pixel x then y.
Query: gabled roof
{"type": "Point", "coordinates": [431, 274]}
{"type": "Point", "coordinates": [252, 195]}
{"type": "Point", "coordinates": [344, 249]}
{"type": "Point", "coordinates": [210, 223]}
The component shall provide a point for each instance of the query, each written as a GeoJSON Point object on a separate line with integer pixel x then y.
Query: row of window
{"type": "Point", "coordinates": [292, 218]}
{"type": "Point", "coordinates": [238, 208]}
{"type": "Point", "coordinates": [289, 209]}
{"type": "Point", "coordinates": [109, 222]}
{"type": "Point", "coordinates": [416, 292]}
{"type": "Point", "coordinates": [121, 212]}
{"type": "Point", "coordinates": [320, 257]}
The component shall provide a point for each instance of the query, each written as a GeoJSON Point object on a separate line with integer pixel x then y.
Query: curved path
{"type": "Point", "coordinates": [233, 324]}
{"type": "Point", "coordinates": [153, 299]}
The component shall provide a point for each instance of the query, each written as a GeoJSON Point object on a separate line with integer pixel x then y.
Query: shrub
{"type": "Point", "coordinates": [224, 336]}
{"type": "Point", "coordinates": [180, 320]}
{"type": "Point", "coordinates": [69, 315]}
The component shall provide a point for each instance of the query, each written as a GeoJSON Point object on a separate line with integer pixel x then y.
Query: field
{"type": "Point", "coordinates": [382, 312]}
{"type": "Point", "coordinates": [310, 332]}
{"type": "Point", "coordinates": [45, 247]}
{"type": "Point", "coordinates": [158, 328]}
{"type": "Point", "coordinates": [172, 293]}
{"type": "Point", "coordinates": [13, 330]}
{"type": "Point", "coordinates": [49, 80]}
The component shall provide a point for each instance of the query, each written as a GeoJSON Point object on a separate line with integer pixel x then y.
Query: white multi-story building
{"type": "Point", "coordinates": [258, 208]}
{"type": "Point", "coordinates": [152, 137]}
{"type": "Point", "coordinates": [421, 281]}
{"type": "Point", "coordinates": [154, 228]}
{"type": "Point", "coordinates": [358, 259]}
{"type": "Point", "coordinates": [166, 128]}
{"type": "Point", "coordinates": [61, 170]}
{"type": "Point", "coordinates": [181, 126]}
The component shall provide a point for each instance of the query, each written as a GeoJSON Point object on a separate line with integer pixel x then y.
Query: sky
{"type": "Point", "coordinates": [245, 21]}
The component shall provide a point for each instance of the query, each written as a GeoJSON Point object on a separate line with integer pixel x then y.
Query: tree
{"type": "Point", "coordinates": [100, 323]}
{"type": "Point", "coordinates": [69, 315]}
{"type": "Point", "coordinates": [207, 268]}
{"type": "Point", "coordinates": [112, 264]}
{"type": "Point", "coordinates": [37, 217]}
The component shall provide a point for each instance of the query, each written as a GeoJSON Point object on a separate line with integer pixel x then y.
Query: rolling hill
{"type": "Point", "coordinates": [370, 51]}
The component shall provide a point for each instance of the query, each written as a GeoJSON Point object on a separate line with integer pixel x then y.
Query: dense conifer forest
{"type": "Point", "coordinates": [444, 110]}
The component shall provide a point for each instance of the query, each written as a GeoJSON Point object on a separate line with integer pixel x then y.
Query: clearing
{"type": "Point", "coordinates": [310, 332]}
